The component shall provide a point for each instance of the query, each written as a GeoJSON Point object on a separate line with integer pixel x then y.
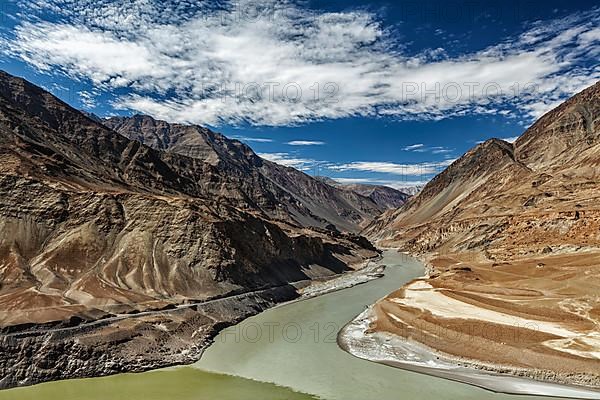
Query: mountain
{"type": "Point", "coordinates": [384, 196]}
{"type": "Point", "coordinates": [411, 190]}
{"type": "Point", "coordinates": [278, 191]}
{"type": "Point", "coordinates": [96, 227]}
{"type": "Point", "coordinates": [465, 188]}
{"type": "Point", "coordinates": [551, 169]}
{"type": "Point", "coordinates": [510, 232]}
{"type": "Point", "coordinates": [77, 194]}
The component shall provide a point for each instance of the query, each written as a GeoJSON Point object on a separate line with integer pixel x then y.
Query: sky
{"type": "Point", "coordinates": [383, 92]}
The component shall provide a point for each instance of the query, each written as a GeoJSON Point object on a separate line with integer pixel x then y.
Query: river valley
{"type": "Point", "coordinates": [290, 346]}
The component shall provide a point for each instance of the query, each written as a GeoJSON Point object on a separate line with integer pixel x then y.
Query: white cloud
{"type": "Point", "coordinates": [252, 139]}
{"type": "Point", "coordinates": [396, 184]}
{"type": "Point", "coordinates": [414, 147]}
{"type": "Point", "coordinates": [302, 164]}
{"type": "Point", "coordinates": [305, 143]}
{"type": "Point", "coordinates": [538, 108]}
{"type": "Point", "coordinates": [423, 170]}
{"type": "Point", "coordinates": [97, 55]}
{"type": "Point", "coordinates": [198, 63]}
{"type": "Point", "coordinates": [87, 99]}
{"type": "Point", "coordinates": [428, 168]}
{"type": "Point", "coordinates": [421, 148]}
{"type": "Point", "coordinates": [354, 180]}
{"type": "Point", "coordinates": [440, 150]}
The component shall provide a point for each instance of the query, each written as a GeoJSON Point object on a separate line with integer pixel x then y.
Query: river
{"type": "Point", "coordinates": [288, 352]}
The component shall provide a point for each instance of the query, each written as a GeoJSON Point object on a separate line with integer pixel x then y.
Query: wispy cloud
{"type": "Point", "coordinates": [396, 184]}
{"type": "Point", "coordinates": [421, 148]}
{"type": "Point", "coordinates": [205, 63]}
{"type": "Point", "coordinates": [305, 143]}
{"type": "Point", "coordinates": [414, 147]}
{"type": "Point", "coordinates": [420, 169]}
{"type": "Point", "coordinates": [289, 160]}
{"type": "Point", "coordinates": [87, 99]}
{"type": "Point", "coordinates": [424, 170]}
{"type": "Point", "coordinates": [354, 180]}
{"type": "Point", "coordinates": [440, 150]}
{"type": "Point", "coordinates": [252, 139]}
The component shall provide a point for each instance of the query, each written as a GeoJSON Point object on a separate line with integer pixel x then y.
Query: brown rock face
{"type": "Point", "coordinates": [94, 223]}
{"type": "Point", "coordinates": [383, 196]}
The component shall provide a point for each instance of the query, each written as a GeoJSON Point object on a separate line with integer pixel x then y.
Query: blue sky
{"type": "Point", "coordinates": [363, 91]}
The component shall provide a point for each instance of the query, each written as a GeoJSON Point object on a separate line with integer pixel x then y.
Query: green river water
{"type": "Point", "coordinates": [280, 354]}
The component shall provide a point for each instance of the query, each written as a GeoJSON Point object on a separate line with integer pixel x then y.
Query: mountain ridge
{"type": "Point", "coordinates": [98, 233]}
{"type": "Point", "coordinates": [501, 163]}
{"type": "Point", "coordinates": [384, 196]}
{"type": "Point", "coordinates": [289, 192]}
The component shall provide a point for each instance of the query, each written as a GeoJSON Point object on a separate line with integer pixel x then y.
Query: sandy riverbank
{"type": "Point", "coordinates": [515, 327]}
{"type": "Point", "coordinates": [395, 351]}
{"type": "Point", "coordinates": [363, 273]}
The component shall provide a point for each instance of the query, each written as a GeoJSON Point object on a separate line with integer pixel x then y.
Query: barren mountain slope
{"type": "Point", "coordinates": [382, 195]}
{"type": "Point", "coordinates": [497, 180]}
{"type": "Point", "coordinates": [512, 238]}
{"type": "Point", "coordinates": [96, 228]}
{"type": "Point", "coordinates": [281, 192]}
{"type": "Point", "coordinates": [93, 220]}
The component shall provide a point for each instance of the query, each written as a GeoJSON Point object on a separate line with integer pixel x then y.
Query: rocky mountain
{"type": "Point", "coordinates": [384, 196]}
{"type": "Point", "coordinates": [511, 236]}
{"type": "Point", "coordinates": [411, 190]}
{"type": "Point", "coordinates": [235, 170]}
{"type": "Point", "coordinates": [93, 220]}
{"type": "Point", "coordinates": [550, 171]}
